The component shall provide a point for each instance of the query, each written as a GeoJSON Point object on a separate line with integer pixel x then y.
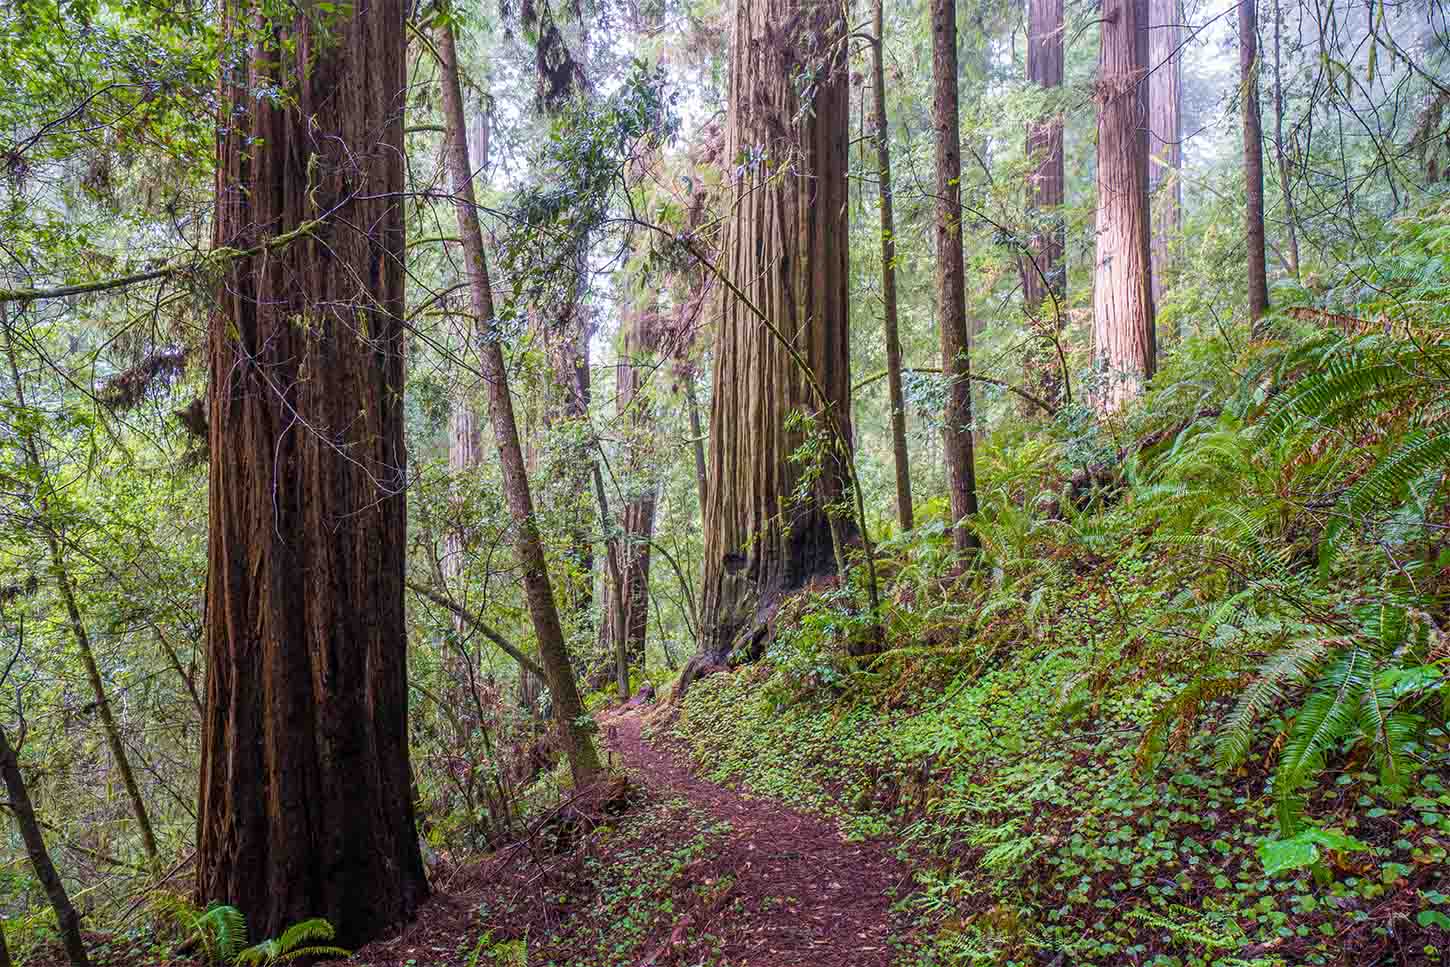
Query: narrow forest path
{"type": "Point", "coordinates": [808, 898]}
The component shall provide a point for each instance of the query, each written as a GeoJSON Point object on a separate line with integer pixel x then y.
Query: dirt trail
{"type": "Point", "coordinates": [812, 899]}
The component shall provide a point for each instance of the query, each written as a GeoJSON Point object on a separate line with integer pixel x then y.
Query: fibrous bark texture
{"type": "Point", "coordinates": [1253, 161]}
{"type": "Point", "coordinates": [784, 258]}
{"type": "Point", "coordinates": [1123, 318]}
{"type": "Point", "coordinates": [951, 274]}
{"type": "Point", "coordinates": [306, 807]}
{"type": "Point", "coordinates": [1044, 279]}
{"type": "Point", "coordinates": [569, 714]}
{"type": "Point", "coordinates": [889, 316]}
{"type": "Point", "coordinates": [1165, 134]}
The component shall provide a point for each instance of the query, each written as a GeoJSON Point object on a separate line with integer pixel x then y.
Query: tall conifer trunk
{"type": "Point", "coordinates": [1044, 283]}
{"type": "Point", "coordinates": [1124, 339]}
{"type": "Point", "coordinates": [889, 316]}
{"type": "Point", "coordinates": [785, 252]}
{"type": "Point", "coordinates": [1253, 161]}
{"type": "Point", "coordinates": [951, 275]}
{"type": "Point", "coordinates": [626, 609]}
{"type": "Point", "coordinates": [306, 791]}
{"type": "Point", "coordinates": [1165, 134]}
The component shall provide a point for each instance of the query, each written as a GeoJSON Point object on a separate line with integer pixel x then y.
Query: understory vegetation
{"type": "Point", "coordinates": [1190, 705]}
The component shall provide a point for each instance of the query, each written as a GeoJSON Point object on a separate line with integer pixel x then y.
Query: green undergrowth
{"type": "Point", "coordinates": [1187, 703]}
{"type": "Point", "coordinates": [638, 876]}
{"type": "Point", "coordinates": [1033, 827]}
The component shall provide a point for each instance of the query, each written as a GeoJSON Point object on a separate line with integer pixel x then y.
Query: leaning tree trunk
{"type": "Point", "coordinates": [1253, 162]}
{"type": "Point", "coordinates": [569, 711]}
{"type": "Point", "coordinates": [23, 810]}
{"type": "Point", "coordinates": [1123, 324]}
{"type": "Point", "coordinates": [784, 274]}
{"type": "Point", "coordinates": [1165, 135]}
{"type": "Point", "coordinates": [306, 805]}
{"type": "Point", "coordinates": [1044, 282]}
{"type": "Point", "coordinates": [951, 276]}
{"type": "Point", "coordinates": [888, 273]}
{"type": "Point", "coordinates": [79, 634]}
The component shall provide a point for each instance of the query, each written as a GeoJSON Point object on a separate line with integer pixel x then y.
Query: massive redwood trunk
{"type": "Point", "coordinates": [951, 275]}
{"type": "Point", "coordinates": [1165, 134]}
{"type": "Point", "coordinates": [1253, 161]}
{"type": "Point", "coordinates": [1125, 346]}
{"type": "Point", "coordinates": [785, 252]}
{"type": "Point", "coordinates": [306, 793]}
{"type": "Point", "coordinates": [1044, 278]}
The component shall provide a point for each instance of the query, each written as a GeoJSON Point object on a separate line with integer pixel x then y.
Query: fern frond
{"type": "Point", "coordinates": [307, 931]}
{"type": "Point", "coordinates": [1417, 454]}
{"type": "Point", "coordinates": [224, 929]}
{"type": "Point", "coordinates": [1293, 665]}
{"type": "Point", "coordinates": [1329, 714]}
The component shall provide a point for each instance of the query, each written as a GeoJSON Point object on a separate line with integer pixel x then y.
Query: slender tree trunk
{"type": "Point", "coordinates": [1124, 339]}
{"type": "Point", "coordinates": [5, 960]}
{"type": "Point", "coordinates": [697, 434]}
{"type": "Point", "coordinates": [951, 275]}
{"type": "Point", "coordinates": [306, 792]}
{"type": "Point", "coordinates": [76, 623]}
{"type": "Point", "coordinates": [1291, 214]}
{"type": "Point", "coordinates": [1253, 161]}
{"type": "Point", "coordinates": [626, 621]}
{"type": "Point", "coordinates": [539, 592]}
{"type": "Point", "coordinates": [785, 252]}
{"type": "Point", "coordinates": [103, 701]}
{"type": "Point", "coordinates": [1165, 135]}
{"type": "Point", "coordinates": [24, 812]}
{"type": "Point", "coordinates": [1044, 280]}
{"type": "Point", "coordinates": [888, 272]}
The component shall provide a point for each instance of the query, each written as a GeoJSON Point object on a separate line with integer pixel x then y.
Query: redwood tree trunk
{"type": "Point", "coordinates": [1044, 281]}
{"type": "Point", "coordinates": [24, 812]}
{"type": "Point", "coordinates": [888, 274]}
{"type": "Point", "coordinates": [1253, 161]}
{"type": "Point", "coordinates": [538, 590]}
{"type": "Point", "coordinates": [1165, 134]}
{"type": "Point", "coordinates": [306, 806]}
{"type": "Point", "coordinates": [785, 251]}
{"type": "Point", "coordinates": [951, 275]}
{"type": "Point", "coordinates": [1123, 324]}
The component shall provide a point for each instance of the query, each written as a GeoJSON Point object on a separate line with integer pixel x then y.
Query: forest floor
{"type": "Point", "coordinates": [659, 868]}
{"type": "Point", "coordinates": [688, 873]}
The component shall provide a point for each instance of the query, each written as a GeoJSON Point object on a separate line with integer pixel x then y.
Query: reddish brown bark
{"type": "Point", "coordinates": [1123, 317]}
{"type": "Point", "coordinates": [306, 791]}
{"type": "Point", "coordinates": [889, 317]}
{"type": "Point", "coordinates": [568, 707]}
{"type": "Point", "coordinates": [1258, 279]}
{"type": "Point", "coordinates": [785, 251]}
{"type": "Point", "coordinates": [951, 275]}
